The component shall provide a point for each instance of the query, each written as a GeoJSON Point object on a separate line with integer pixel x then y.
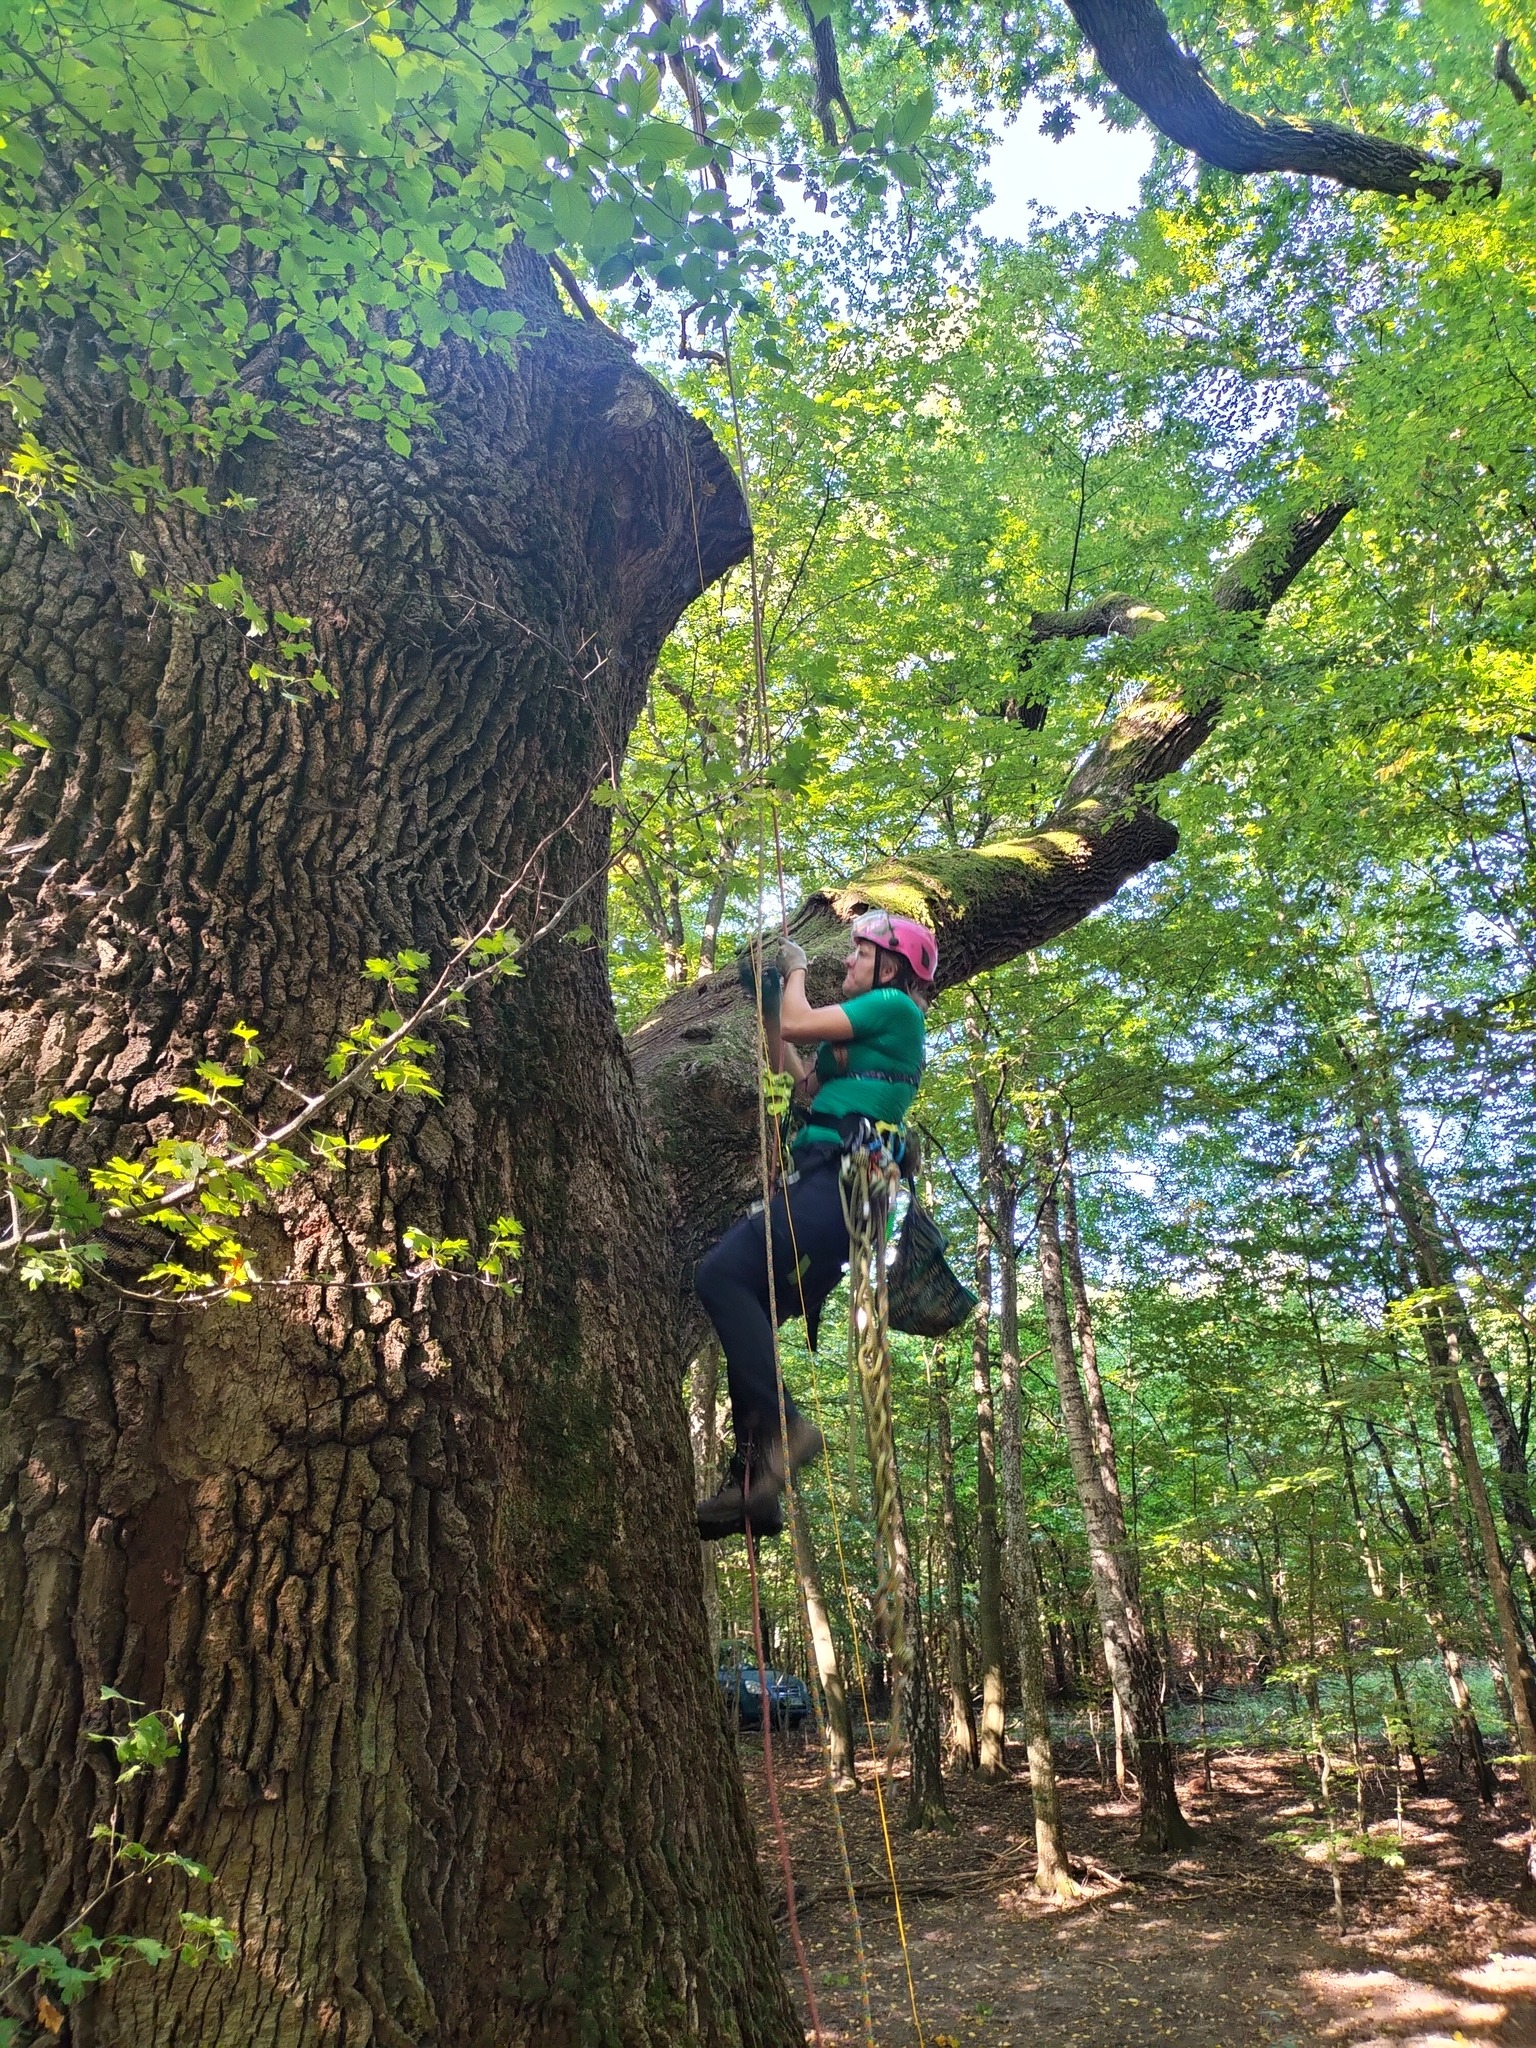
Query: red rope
{"type": "Point", "coordinates": [765, 1709]}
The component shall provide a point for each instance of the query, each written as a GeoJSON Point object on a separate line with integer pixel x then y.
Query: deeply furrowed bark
{"type": "Point", "coordinates": [704, 1432]}
{"type": "Point", "coordinates": [416, 1564]}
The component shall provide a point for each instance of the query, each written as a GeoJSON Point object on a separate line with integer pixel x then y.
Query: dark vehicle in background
{"type": "Point", "coordinates": [789, 1701]}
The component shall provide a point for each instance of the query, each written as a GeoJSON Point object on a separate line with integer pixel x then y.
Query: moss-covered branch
{"type": "Point", "coordinates": [696, 1055]}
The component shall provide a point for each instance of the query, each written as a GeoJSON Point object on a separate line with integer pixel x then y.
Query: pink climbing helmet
{"type": "Point", "coordinates": [903, 935]}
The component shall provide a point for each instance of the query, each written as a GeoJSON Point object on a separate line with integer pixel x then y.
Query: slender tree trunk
{"type": "Point", "coordinates": [824, 1648]}
{"type": "Point", "coordinates": [714, 911]}
{"type": "Point", "coordinates": [1463, 1713]}
{"type": "Point", "coordinates": [1053, 1871]}
{"type": "Point", "coordinates": [1464, 1527]}
{"type": "Point", "coordinates": [1128, 1649]}
{"type": "Point", "coordinates": [1511, 1648]}
{"type": "Point", "coordinates": [927, 1806]}
{"type": "Point", "coordinates": [675, 941]}
{"type": "Point", "coordinates": [1405, 1711]}
{"type": "Point", "coordinates": [1405, 1193]}
{"type": "Point", "coordinates": [1118, 1716]}
{"type": "Point", "coordinates": [961, 1739]}
{"type": "Point", "coordinates": [1376, 1580]}
{"type": "Point", "coordinates": [704, 1430]}
{"type": "Point", "coordinates": [989, 1617]}
{"type": "Point", "coordinates": [1061, 1677]}
{"type": "Point", "coordinates": [1082, 1316]}
{"type": "Point", "coordinates": [1373, 1573]}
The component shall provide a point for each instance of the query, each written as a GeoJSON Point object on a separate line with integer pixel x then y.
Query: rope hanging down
{"type": "Point", "coordinates": [870, 1179]}
{"type": "Point", "coordinates": [871, 1266]}
{"type": "Point", "coordinates": [863, 1694]}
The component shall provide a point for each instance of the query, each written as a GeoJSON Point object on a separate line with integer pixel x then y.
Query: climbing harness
{"type": "Point", "coordinates": [870, 1178]}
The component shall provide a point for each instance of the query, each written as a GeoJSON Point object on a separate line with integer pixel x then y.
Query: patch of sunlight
{"type": "Point", "coordinates": [1501, 1973]}
{"type": "Point", "coordinates": [1387, 2000]}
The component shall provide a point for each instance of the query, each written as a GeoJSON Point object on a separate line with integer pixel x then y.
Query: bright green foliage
{"type": "Point", "coordinates": [59, 1973]}
{"type": "Point", "coordinates": [1347, 931]}
{"type": "Point", "coordinates": [350, 177]}
{"type": "Point", "coordinates": [199, 1191]}
{"type": "Point", "coordinates": [346, 183]}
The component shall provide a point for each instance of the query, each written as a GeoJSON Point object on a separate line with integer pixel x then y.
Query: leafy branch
{"type": "Point", "coordinates": [58, 1226]}
{"type": "Point", "coordinates": [76, 1960]}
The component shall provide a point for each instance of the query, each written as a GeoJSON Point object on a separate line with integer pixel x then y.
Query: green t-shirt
{"type": "Point", "coordinates": [889, 1030]}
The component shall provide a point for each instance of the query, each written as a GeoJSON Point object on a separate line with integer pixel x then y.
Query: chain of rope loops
{"type": "Point", "coordinates": [869, 1181]}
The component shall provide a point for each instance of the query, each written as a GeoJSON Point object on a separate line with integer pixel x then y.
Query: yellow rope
{"type": "Point", "coordinates": [763, 734]}
{"type": "Point", "coordinates": [868, 1182]}
{"type": "Point", "coordinates": [863, 1684]}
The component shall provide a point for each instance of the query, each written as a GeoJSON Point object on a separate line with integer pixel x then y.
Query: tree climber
{"type": "Point", "coordinates": [865, 1073]}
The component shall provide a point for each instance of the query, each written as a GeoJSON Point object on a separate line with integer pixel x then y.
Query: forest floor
{"type": "Point", "coordinates": [1231, 1944]}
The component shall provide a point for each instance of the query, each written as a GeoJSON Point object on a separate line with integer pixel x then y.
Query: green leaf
{"type": "Point", "coordinates": [276, 40]}
{"type": "Point", "coordinates": [912, 119]}
{"type": "Point", "coordinates": [484, 269]}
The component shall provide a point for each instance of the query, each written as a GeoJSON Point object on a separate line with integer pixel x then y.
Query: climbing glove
{"type": "Point", "coordinates": [773, 985]}
{"type": "Point", "coordinates": [791, 956]}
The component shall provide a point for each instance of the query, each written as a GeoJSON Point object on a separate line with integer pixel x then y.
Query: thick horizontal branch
{"type": "Point", "coordinates": [1132, 42]}
{"type": "Point", "coordinates": [695, 1057]}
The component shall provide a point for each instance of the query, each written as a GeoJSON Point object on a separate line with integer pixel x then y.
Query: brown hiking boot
{"type": "Point", "coordinates": [728, 1510]}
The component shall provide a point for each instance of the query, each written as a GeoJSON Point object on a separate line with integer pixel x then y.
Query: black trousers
{"type": "Point", "coordinates": [810, 1250]}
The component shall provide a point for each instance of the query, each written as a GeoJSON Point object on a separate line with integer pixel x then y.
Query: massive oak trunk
{"type": "Point", "coordinates": [417, 1565]}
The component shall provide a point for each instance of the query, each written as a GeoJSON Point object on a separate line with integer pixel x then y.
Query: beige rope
{"type": "Point", "coordinates": [869, 1183]}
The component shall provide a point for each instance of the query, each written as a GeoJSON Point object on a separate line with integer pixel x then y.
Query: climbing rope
{"type": "Point", "coordinates": [869, 1181]}
{"type": "Point", "coordinates": [768, 1122]}
{"type": "Point", "coordinates": [861, 1679]}
{"type": "Point", "coordinates": [763, 738]}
